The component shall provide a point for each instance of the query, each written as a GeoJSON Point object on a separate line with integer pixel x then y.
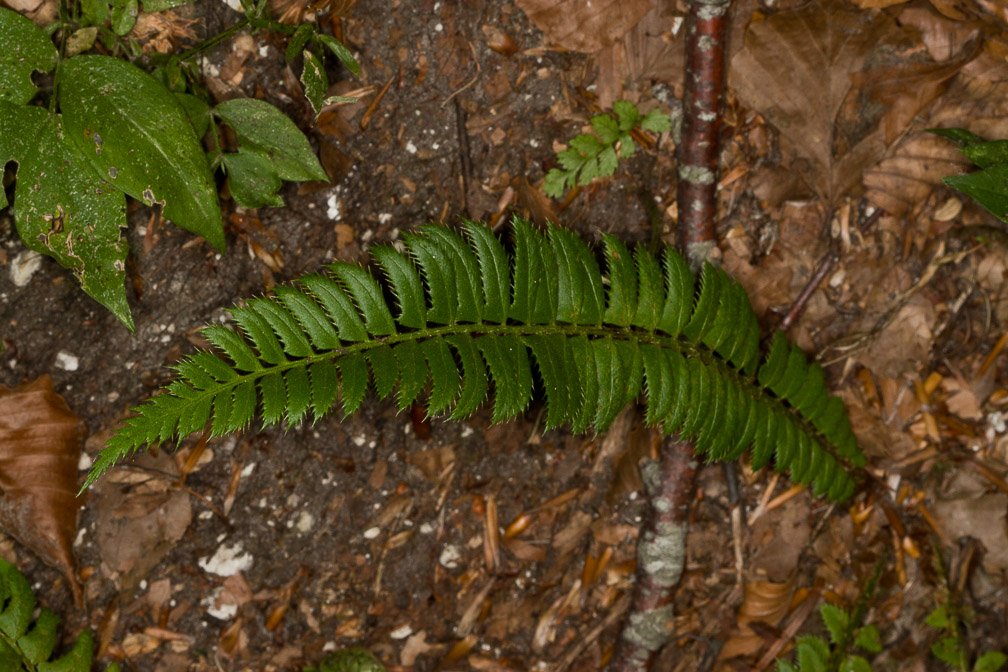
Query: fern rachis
{"type": "Point", "coordinates": [468, 315]}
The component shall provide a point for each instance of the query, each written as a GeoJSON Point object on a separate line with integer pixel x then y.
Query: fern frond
{"type": "Point", "coordinates": [466, 318]}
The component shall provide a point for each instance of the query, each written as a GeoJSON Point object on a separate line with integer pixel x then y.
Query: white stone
{"type": "Point", "coordinates": [67, 361]}
{"type": "Point", "coordinates": [227, 561]}
{"type": "Point", "coordinates": [449, 556]}
{"type": "Point", "coordinates": [372, 532]}
{"type": "Point", "coordinates": [402, 632]}
{"type": "Point", "coordinates": [24, 266]}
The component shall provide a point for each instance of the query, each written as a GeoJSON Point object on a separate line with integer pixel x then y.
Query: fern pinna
{"type": "Point", "coordinates": [468, 315]}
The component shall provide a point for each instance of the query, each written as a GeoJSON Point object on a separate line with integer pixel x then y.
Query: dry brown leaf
{"type": "Point", "coordinates": [41, 12]}
{"type": "Point", "coordinates": [140, 516]}
{"type": "Point", "coordinates": [764, 601]}
{"type": "Point", "coordinates": [981, 516]}
{"type": "Point", "coordinates": [40, 445]}
{"type": "Point", "coordinates": [795, 70]}
{"type": "Point", "coordinates": [977, 100]}
{"type": "Point", "coordinates": [584, 26]}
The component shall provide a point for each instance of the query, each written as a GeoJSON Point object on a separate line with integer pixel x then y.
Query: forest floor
{"type": "Point", "coordinates": [473, 546]}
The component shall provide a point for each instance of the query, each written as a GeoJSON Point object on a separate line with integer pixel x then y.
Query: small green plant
{"type": "Point", "coordinates": [949, 649]}
{"type": "Point", "coordinates": [590, 156]}
{"type": "Point", "coordinates": [815, 654]}
{"type": "Point", "coordinates": [349, 660]}
{"type": "Point", "coordinates": [27, 646]}
{"type": "Point", "coordinates": [111, 130]}
{"type": "Point", "coordinates": [483, 316]}
{"type": "Point", "coordinates": [989, 185]}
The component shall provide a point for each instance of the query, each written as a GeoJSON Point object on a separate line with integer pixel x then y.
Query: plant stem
{"type": "Point", "coordinates": [223, 36]}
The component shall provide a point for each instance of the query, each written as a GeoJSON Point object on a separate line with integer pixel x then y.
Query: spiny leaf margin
{"type": "Point", "coordinates": [466, 313]}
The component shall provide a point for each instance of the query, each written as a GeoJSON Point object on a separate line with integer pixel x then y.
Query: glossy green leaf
{"type": "Point", "coordinates": [136, 135]}
{"type": "Point", "coordinates": [254, 183]}
{"type": "Point", "coordinates": [315, 81]}
{"type": "Point", "coordinates": [24, 48]}
{"type": "Point", "coordinates": [987, 187]}
{"type": "Point", "coordinates": [342, 53]}
{"type": "Point", "coordinates": [263, 128]}
{"type": "Point", "coordinates": [62, 209]}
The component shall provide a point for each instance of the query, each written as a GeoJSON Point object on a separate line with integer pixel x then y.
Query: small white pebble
{"type": "Point", "coordinates": [305, 522]}
{"type": "Point", "coordinates": [402, 632]}
{"type": "Point", "coordinates": [24, 266]}
{"type": "Point", "coordinates": [66, 361]}
{"type": "Point", "coordinates": [372, 532]}
{"type": "Point", "coordinates": [411, 148]}
{"type": "Point", "coordinates": [227, 561]}
{"type": "Point", "coordinates": [83, 462]}
{"type": "Point", "coordinates": [449, 556]}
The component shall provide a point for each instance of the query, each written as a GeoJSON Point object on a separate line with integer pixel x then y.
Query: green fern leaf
{"type": "Point", "coordinates": [466, 319]}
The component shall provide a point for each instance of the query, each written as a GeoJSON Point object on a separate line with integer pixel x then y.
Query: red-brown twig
{"type": "Point", "coordinates": [698, 150]}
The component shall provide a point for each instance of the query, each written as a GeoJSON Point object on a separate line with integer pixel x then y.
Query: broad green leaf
{"type": "Point", "coordinates": [946, 650]}
{"type": "Point", "coordinates": [555, 183]}
{"type": "Point", "coordinates": [152, 6]}
{"type": "Point", "coordinates": [855, 664]}
{"type": "Point", "coordinates": [868, 637]}
{"type": "Point", "coordinates": [298, 40]}
{"type": "Point", "coordinates": [62, 209]}
{"type": "Point", "coordinates": [586, 145]}
{"type": "Point", "coordinates": [960, 136]}
{"type": "Point", "coordinates": [341, 52]}
{"type": "Point", "coordinates": [627, 114]}
{"type": "Point", "coordinates": [136, 134]}
{"type": "Point", "coordinates": [24, 48]}
{"type": "Point", "coordinates": [835, 620]}
{"type": "Point", "coordinates": [267, 130]}
{"type": "Point", "coordinates": [606, 127]}
{"type": "Point", "coordinates": [987, 154]}
{"type": "Point", "coordinates": [254, 183]}
{"type": "Point", "coordinates": [38, 643]}
{"type": "Point", "coordinates": [124, 15]}
{"type": "Point", "coordinates": [16, 601]}
{"type": "Point", "coordinates": [197, 111]}
{"type": "Point", "coordinates": [992, 661]}
{"type": "Point", "coordinates": [938, 618]}
{"type": "Point", "coordinates": [78, 659]}
{"type": "Point", "coordinates": [987, 187]}
{"type": "Point", "coordinates": [95, 11]}
{"type": "Point", "coordinates": [656, 121]}
{"type": "Point", "coordinates": [315, 81]}
{"type": "Point", "coordinates": [812, 654]}
{"type": "Point", "coordinates": [81, 40]}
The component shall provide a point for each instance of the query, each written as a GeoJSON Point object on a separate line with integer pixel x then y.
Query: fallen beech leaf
{"type": "Point", "coordinates": [40, 445]}
{"type": "Point", "coordinates": [982, 517]}
{"type": "Point", "coordinates": [140, 516]}
{"type": "Point", "coordinates": [795, 69]}
{"type": "Point", "coordinates": [978, 100]}
{"type": "Point", "coordinates": [765, 602]}
{"type": "Point", "coordinates": [584, 26]}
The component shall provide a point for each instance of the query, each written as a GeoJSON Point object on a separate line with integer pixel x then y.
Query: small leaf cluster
{"type": "Point", "coordinates": [349, 660]}
{"type": "Point", "coordinates": [112, 130]}
{"type": "Point", "coordinates": [590, 156]}
{"type": "Point", "coordinates": [815, 654]}
{"type": "Point", "coordinates": [27, 644]}
{"type": "Point", "coordinates": [470, 318]}
{"type": "Point", "coordinates": [988, 185]}
{"type": "Point", "coordinates": [949, 649]}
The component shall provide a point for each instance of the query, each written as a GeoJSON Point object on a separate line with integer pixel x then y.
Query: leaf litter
{"type": "Point", "coordinates": [540, 528]}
